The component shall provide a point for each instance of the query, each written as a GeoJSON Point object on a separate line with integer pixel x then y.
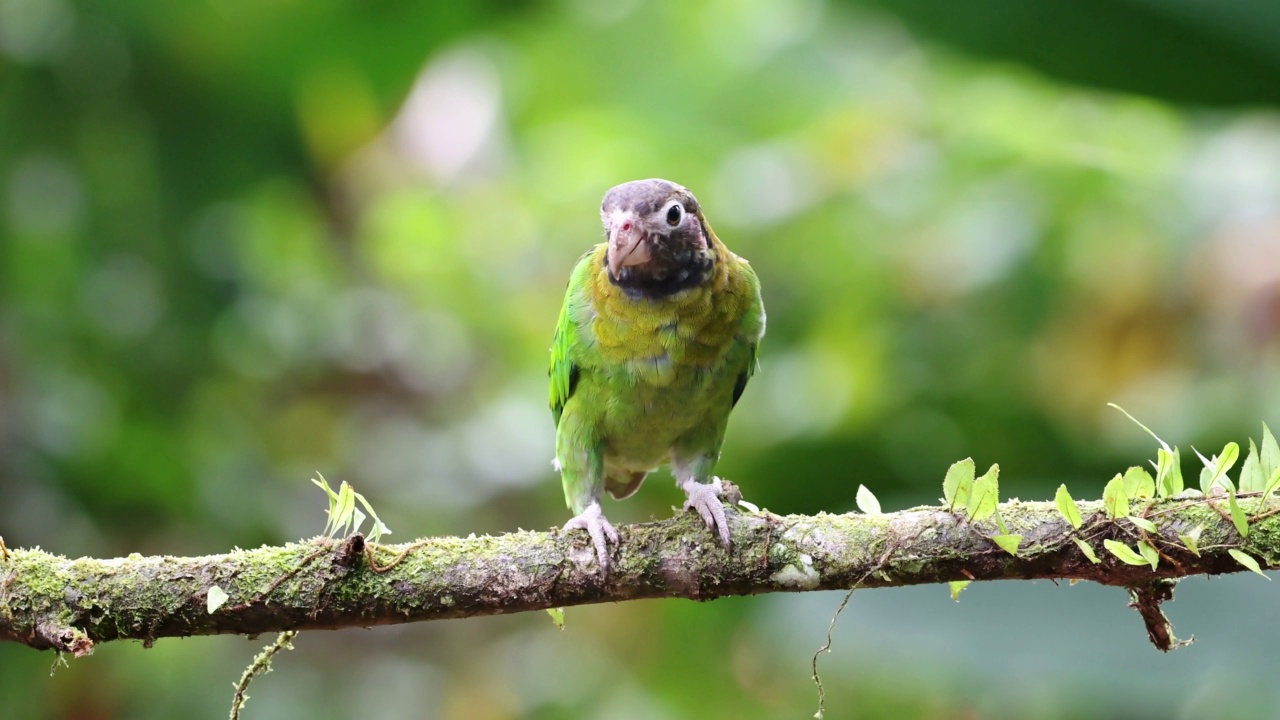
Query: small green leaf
{"type": "Point", "coordinates": [1175, 473]}
{"type": "Point", "coordinates": [1130, 483]}
{"type": "Point", "coordinates": [333, 501]}
{"type": "Point", "coordinates": [867, 502]}
{"type": "Point", "coordinates": [1148, 553]}
{"type": "Point", "coordinates": [215, 598]}
{"type": "Point", "coordinates": [1008, 543]}
{"type": "Point", "coordinates": [1237, 515]}
{"type": "Point", "coordinates": [1124, 552]}
{"type": "Point", "coordinates": [1247, 560]}
{"type": "Point", "coordinates": [986, 495]}
{"type": "Point", "coordinates": [1087, 550]}
{"type": "Point", "coordinates": [1163, 445]}
{"type": "Point", "coordinates": [1161, 464]}
{"type": "Point", "coordinates": [379, 528]}
{"type": "Point", "coordinates": [557, 617]}
{"type": "Point", "coordinates": [1206, 477]}
{"type": "Point", "coordinates": [1168, 473]}
{"type": "Point", "coordinates": [1138, 483]}
{"type": "Point", "coordinates": [346, 507]}
{"type": "Point", "coordinates": [1192, 540]}
{"type": "Point", "coordinates": [343, 514]}
{"type": "Point", "coordinates": [1217, 467]}
{"type": "Point", "coordinates": [1114, 499]}
{"type": "Point", "coordinates": [1067, 506]}
{"type": "Point", "coordinates": [323, 484]}
{"type": "Point", "coordinates": [957, 587]}
{"type": "Point", "coordinates": [1226, 459]}
{"type": "Point", "coordinates": [1270, 457]}
{"type": "Point", "coordinates": [958, 484]}
{"type": "Point", "coordinates": [1272, 484]}
{"type": "Point", "coordinates": [1143, 523]}
{"type": "Point", "coordinates": [1251, 477]}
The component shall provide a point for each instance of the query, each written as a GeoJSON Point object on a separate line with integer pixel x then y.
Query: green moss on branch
{"type": "Point", "coordinates": [47, 601]}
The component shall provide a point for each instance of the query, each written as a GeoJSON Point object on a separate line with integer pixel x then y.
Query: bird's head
{"type": "Point", "coordinates": [659, 242]}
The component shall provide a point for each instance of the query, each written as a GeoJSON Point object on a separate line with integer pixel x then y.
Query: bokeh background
{"type": "Point", "coordinates": [244, 242]}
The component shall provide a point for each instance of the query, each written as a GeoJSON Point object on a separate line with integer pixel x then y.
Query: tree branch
{"type": "Point", "coordinates": [47, 601]}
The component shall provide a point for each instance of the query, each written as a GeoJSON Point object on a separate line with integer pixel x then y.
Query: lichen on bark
{"type": "Point", "coordinates": [48, 601]}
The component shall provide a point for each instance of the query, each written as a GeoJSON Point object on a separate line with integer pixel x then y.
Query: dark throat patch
{"type": "Point", "coordinates": [676, 263]}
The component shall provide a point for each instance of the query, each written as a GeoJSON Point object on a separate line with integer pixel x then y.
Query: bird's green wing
{"type": "Point", "coordinates": [564, 374]}
{"type": "Point", "coordinates": [741, 384]}
{"type": "Point", "coordinates": [751, 330]}
{"type": "Point", "coordinates": [563, 371]}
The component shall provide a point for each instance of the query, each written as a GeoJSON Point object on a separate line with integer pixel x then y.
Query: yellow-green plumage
{"type": "Point", "coordinates": [643, 379]}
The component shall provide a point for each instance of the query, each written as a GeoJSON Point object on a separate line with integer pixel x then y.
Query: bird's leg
{"type": "Point", "coordinates": [592, 520]}
{"type": "Point", "coordinates": [703, 497]}
{"type": "Point", "coordinates": [581, 468]}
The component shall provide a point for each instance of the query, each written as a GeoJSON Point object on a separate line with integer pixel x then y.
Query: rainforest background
{"type": "Point", "coordinates": [245, 242]}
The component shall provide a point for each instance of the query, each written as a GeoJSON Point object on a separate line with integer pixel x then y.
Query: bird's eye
{"type": "Point", "coordinates": [675, 214]}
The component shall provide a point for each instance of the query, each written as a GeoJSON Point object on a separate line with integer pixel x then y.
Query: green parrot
{"type": "Point", "coordinates": [655, 343]}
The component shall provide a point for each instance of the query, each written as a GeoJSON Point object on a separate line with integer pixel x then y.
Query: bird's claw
{"type": "Point", "coordinates": [598, 527]}
{"type": "Point", "coordinates": [705, 498]}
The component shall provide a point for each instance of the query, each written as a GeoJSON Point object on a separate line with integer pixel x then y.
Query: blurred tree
{"type": "Point", "coordinates": [243, 242]}
{"type": "Point", "coordinates": [1186, 51]}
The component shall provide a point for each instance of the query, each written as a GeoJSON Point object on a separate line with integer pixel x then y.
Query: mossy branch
{"type": "Point", "coordinates": [47, 601]}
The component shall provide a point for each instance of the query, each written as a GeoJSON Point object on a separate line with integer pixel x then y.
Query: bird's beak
{"type": "Point", "coordinates": [627, 245]}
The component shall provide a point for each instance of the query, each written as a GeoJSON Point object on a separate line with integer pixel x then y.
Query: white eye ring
{"type": "Point", "coordinates": [673, 213]}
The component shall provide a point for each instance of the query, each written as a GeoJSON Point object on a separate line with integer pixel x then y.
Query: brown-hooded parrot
{"type": "Point", "coordinates": [655, 343]}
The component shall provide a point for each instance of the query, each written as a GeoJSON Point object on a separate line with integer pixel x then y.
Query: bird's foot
{"type": "Point", "coordinates": [705, 498]}
{"type": "Point", "coordinates": [598, 527]}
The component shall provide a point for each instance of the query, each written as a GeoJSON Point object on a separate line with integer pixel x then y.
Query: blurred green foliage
{"type": "Point", "coordinates": [242, 242]}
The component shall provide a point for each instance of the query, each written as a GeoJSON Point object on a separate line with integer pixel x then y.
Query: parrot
{"type": "Point", "coordinates": [656, 340]}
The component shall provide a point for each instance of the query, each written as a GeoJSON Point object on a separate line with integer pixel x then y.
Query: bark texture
{"type": "Point", "coordinates": [48, 601]}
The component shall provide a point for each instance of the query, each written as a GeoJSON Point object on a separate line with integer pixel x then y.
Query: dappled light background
{"type": "Point", "coordinates": [244, 243]}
